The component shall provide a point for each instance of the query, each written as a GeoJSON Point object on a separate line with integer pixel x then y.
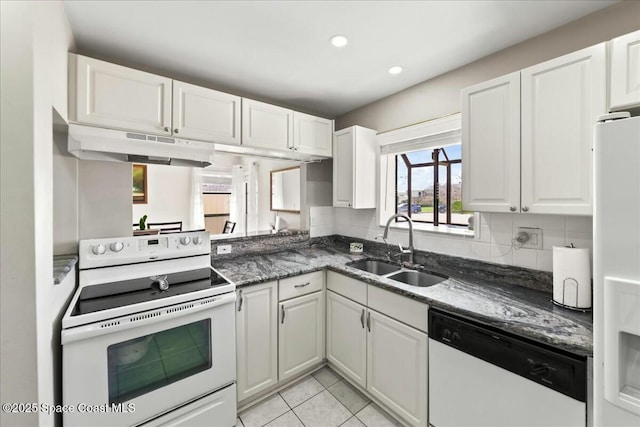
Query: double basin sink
{"type": "Point", "coordinates": [397, 273]}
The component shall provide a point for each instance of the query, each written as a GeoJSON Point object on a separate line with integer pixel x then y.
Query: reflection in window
{"type": "Point", "coordinates": [147, 363]}
{"type": "Point", "coordinates": [429, 186]}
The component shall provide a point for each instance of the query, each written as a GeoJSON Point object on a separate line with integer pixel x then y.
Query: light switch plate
{"type": "Point", "coordinates": [535, 237]}
{"type": "Point", "coordinates": [223, 249]}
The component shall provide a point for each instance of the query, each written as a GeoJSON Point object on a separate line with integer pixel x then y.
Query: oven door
{"type": "Point", "coordinates": [130, 369]}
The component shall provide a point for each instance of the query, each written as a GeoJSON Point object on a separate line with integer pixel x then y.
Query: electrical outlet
{"type": "Point", "coordinates": [529, 237]}
{"type": "Point", "coordinates": [224, 249]}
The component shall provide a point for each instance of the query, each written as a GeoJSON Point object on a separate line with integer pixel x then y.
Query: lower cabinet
{"type": "Point", "coordinates": [347, 337]}
{"type": "Point", "coordinates": [380, 354]}
{"type": "Point", "coordinates": [257, 338]}
{"type": "Point", "coordinates": [301, 336]}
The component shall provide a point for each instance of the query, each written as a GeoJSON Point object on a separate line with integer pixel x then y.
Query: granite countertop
{"type": "Point", "coordinates": [516, 309]}
{"type": "Point", "coordinates": [62, 265]}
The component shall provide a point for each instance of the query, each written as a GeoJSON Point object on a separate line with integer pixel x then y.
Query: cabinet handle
{"type": "Point", "coordinates": [525, 209]}
{"type": "Point", "coordinates": [175, 130]}
{"type": "Point", "coordinates": [369, 321]}
{"type": "Point", "coordinates": [512, 208]}
{"type": "Point", "coordinates": [302, 285]}
{"type": "Point", "coordinates": [166, 129]}
{"type": "Point", "coordinates": [241, 300]}
{"type": "Point", "coordinates": [362, 318]}
{"type": "Point", "coordinates": [283, 313]}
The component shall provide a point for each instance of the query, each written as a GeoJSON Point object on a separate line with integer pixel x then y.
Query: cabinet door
{"type": "Point", "coordinates": [113, 96]}
{"type": "Point", "coordinates": [397, 367]}
{"type": "Point", "coordinates": [205, 114]}
{"type": "Point", "coordinates": [312, 135]}
{"type": "Point", "coordinates": [256, 340]}
{"type": "Point", "coordinates": [365, 159]}
{"type": "Point", "coordinates": [491, 145]}
{"type": "Point", "coordinates": [266, 126]}
{"type": "Point", "coordinates": [625, 71]}
{"type": "Point", "coordinates": [561, 100]}
{"type": "Point", "coordinates": [301, 338]}
{"type": "Point", "coordinates": [343, 168]}
{"type": "Point", "coordinates": [347, 337]}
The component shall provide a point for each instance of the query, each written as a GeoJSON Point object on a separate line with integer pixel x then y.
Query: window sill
{"type": "Point", "coordinates": [430, 228]}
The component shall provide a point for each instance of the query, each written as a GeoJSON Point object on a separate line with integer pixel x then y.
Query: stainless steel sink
{"type": "Point", "coordinates": [380, 268]}
{"type": "Point", "coordinates": [417, 278]}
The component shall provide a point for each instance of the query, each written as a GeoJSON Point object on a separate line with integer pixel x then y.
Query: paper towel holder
{"type": "Point", "coordinates": [564, 290]}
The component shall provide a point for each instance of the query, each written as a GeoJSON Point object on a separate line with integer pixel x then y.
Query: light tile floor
{"type": "Point", "coordinates": [322, 399]}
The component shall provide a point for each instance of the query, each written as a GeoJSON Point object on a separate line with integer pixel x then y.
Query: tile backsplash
{"type": "Point", "coordinates": [493, 241]}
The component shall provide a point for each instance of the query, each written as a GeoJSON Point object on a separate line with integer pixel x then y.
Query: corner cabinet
{"type": "Point", "coordinates": [354, 170]}
{"type": "Point", "coordinates": [257, 338]}
{"type": "Point", "coordinates": [527, 136]}
{"type": "Point", "coordinates": [625, 71]}
{"type": "Point", "coordinates": [112, 96]}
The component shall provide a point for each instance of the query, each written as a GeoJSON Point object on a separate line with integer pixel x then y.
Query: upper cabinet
{"type": "Point", "coordinates": [205, 114]}
{"type": "Point", "coordinates": [266, 126]}
{"type": "Point", "coordinates": [108, 95]}
{"type": "Point", "coordinates": [527, 136]}
{"type": "Point", "coordinates": [312, 135]}
{"type": "Point", "coordinates": [117, 97]}
{"type": "Point", "coordinates": [354, 171]}
{"type": "Point", "coordinates": [625, 71]}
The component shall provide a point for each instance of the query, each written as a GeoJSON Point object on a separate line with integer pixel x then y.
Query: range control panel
{"type": "Point", "coordinates": [132, 249]}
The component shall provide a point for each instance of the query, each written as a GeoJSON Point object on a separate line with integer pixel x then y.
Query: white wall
{"type": "Point", "coordinates": [169, 196]}
{"type": "Point", "coordinates": [439, 97]}
{"type": "Point", "coordinates": [34, 40]}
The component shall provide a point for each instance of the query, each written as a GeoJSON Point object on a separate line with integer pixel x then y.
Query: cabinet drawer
{"type": "Point", "coordinates": [399, 307]}
{"type": "Point", "coordinates": [292, 287]}
{"type": "Point", "coordinates": [347, 287]}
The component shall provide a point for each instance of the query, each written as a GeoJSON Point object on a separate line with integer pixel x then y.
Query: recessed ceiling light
{"type": "Point", "coordinates": [395, 70]}
{"type": "Point", "coordinates": [339, 40]}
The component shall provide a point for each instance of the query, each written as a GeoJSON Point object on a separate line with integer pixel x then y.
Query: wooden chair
{"type": "Point", "coordinates": [166, 227]}
{"type": "Point", "coordinates": [228, 227]}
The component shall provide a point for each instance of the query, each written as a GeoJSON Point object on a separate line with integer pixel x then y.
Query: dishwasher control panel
{"type": "Point", "coordinates": [550, 367]}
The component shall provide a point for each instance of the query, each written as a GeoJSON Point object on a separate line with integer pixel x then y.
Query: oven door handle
{"type": "Point", "coordinates": [137, 320]}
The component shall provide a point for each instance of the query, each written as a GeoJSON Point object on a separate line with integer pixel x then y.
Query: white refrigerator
{"type": "Point", "coordinates": [616, 263]}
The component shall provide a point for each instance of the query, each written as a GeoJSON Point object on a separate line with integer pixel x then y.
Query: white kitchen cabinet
{"type": "Point", "coordinates": [347, 337]}
{"type": "Point", "coordinates": [561, 101]}
{"type": "Point", "coordinates": [625, 72]}
{"type": "Point", "coordinates": [354, 170]}
{"type": "Point", "coordinates": [301, 334]}
{"type": "Point", "coordinates": [527, 136]}
{"type": "Point", "coordinates": [257, 338]}
{"type": "Point", "coordinates": [312, 135]}
{"type": "Point", "coordinates": [491, 145]}
{"type": "Point", "coordinates": [205, 114]}
{"type": "Point", "coordinates": [397, 367]}
{"type": "Point", "coordinates": [112, 96]}
{"type": "Point", "coordinates": [266, 126]}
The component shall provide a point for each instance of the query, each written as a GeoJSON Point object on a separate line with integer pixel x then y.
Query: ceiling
{"type": "Point", "coordinates": [279, 51]}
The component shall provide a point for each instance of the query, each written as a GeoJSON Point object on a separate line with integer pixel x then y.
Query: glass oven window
{"type": "Point", "coordinates": [147, 363]}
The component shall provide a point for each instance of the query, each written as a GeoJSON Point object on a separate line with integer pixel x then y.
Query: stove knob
{"type": "Point", "coordinates": [185, 240]}
{"type": "Point", "coordinates": [197, 240]}
{"type": "Point", "coordinates": [446, 335]}
{"type": "Point", "coordinates": [116, 246]}
{"type": "Point", "coordinates": [455, 337]}
{"type": "Point", "coordinates": [99, 249]}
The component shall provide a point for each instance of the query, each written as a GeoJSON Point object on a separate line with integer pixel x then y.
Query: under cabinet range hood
{"type": "Point", "coordinates": [92, 143]}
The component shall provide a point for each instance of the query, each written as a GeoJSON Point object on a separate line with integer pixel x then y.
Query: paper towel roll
{"type": "Point", "coordinates": [571, 277]}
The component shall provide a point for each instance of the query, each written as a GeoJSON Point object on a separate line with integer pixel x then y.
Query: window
{"type": "Point", "coordinates": [429, 186]}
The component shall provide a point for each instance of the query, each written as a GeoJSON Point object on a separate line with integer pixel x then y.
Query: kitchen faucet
{"type": "Point", "coordinates": [402, 250]}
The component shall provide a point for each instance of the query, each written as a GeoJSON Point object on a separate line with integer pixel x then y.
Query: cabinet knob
{"type": "Point", "coordinates": [512, 208]}
{"type": "Point", "coordinates": [525, 209]}
{"type": "Point", "coordinates": [175, 130]}
{"type": "Point", "coordinates": [166, 129]}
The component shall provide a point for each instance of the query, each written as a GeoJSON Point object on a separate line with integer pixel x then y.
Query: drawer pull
{"type": "Point", "coordinates": [283, 313]}
{"type": "Point", "coordinates": [302, 285]}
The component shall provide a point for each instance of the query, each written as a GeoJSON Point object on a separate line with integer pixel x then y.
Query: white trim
{"type": "Point", "coordinates": [437, 132]}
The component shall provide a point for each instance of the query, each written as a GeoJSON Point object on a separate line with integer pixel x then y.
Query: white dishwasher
{"type": "Point", "coordinates": [479, 376]}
